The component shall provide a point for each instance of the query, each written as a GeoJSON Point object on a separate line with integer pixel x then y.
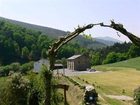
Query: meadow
{"type": "Point", "coordinates": [115, 79]}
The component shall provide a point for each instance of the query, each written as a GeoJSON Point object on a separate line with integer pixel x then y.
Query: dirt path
{"type": "Point", "coordinates": [121, 97]}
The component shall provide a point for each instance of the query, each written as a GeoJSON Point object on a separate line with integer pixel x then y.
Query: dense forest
{"type": "Point", "coordinates": [19, 44]}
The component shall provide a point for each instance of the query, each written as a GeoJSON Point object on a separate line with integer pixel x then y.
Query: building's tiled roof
{"type": "Point", "coordinates": [74, 57]}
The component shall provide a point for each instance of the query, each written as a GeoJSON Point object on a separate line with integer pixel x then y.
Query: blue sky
{"type": "Point", "coordinates": [68, 14]}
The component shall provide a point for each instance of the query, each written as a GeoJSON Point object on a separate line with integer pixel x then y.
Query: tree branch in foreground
{"type": "Point", "coordinates": [121, 29]}
{"type": "Point", "coordinates": [63, 40]}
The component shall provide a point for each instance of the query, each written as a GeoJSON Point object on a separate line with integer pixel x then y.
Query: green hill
{"type": "Point", "coordinates": [130, 63]}
{"type": "Point", "coordinates": [55, 33]}
{"type": "Point", "coordinates": [51, 32]}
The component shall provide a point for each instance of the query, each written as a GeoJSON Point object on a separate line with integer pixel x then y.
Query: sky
{"type": "Point", "coordinates": [68, 14]}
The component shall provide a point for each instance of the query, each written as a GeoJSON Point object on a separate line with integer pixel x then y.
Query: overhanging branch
{"type": "Point", "coordinates": [63, 40]}
{"type": "Point", "coordinates": [121, 29]}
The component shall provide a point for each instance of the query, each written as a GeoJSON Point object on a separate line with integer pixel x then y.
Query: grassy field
{"type": "Point", "coordinates": [114, 82]}
{"type": "Point", "coordinates": [115, 79]}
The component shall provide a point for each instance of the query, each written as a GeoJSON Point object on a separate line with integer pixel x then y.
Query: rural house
{"type": "Point", "coordinates": [78, 62]}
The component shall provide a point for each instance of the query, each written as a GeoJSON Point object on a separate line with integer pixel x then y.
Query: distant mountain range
{"type": "Point", "coordinates": [98, 42]}
{"type": "Point", "coordinates": [107, 40]}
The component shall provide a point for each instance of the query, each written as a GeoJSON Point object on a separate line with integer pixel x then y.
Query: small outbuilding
{"type": "Point", "coordinates": [78, 62]}
{"type": "Point", "coordinates": [38, 65]}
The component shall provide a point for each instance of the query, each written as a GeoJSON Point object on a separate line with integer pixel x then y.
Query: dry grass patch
{"type": "Point", "coordinates": [114, 82]}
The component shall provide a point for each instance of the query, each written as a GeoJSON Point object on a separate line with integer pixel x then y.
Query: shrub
{"type": "Point", "coordinates": [26, 67]}
{"type": "Point", "coordinates": [16, 67]}
{"type": "Point", "coordinates": [137, 96]}
{"type": "Point", "coordinates": [16, 91]}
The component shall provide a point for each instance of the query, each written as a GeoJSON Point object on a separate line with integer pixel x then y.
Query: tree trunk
{"type": "Point", "coordinates": [48, 77]}
{"type": "Point", "coordinates": [52, 56]}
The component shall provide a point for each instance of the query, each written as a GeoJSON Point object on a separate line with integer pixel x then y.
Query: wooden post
{"type": "Point", "coordinates": [65, 87]}
{"type": "Point", "coordinates": [65, 97]}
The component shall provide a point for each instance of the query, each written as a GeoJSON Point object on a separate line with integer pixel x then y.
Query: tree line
{"type": "Point", "coordinates": [117, 52]}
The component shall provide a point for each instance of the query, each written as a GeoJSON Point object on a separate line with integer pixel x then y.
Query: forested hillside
{"type": "Point", "coordinates": [18, 44]}
{"type": "Point", "coordinates": [55, 33]}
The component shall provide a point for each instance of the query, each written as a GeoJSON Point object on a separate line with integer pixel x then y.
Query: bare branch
{"type": "Point", "coordinates": [63, 40]}
{"type": "Point", "coordinates": [121, 29]}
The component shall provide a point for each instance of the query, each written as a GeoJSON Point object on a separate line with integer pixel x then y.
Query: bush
{"type": "Point", "coordinates": [137, 96]}
{"type": "Point", "coordinates": [16, 90]}
{"type": "Point", "coordinates": [46, 89]}
{"type": "Point", "coordinates": [16, 67]}
{"type": "Point", "coordinates": [4, 70]}
{"type": "Point", "coordinates": [26, 67]}
{"type": "Point", "coordinates": [113, 57]}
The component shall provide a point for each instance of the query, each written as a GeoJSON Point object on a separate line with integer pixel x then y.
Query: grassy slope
{"type": "Point", "coordinates": [131, 63]}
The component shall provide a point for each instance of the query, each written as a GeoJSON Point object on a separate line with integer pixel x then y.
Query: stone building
{"type": "Point", "coordinates": [78, 62]}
